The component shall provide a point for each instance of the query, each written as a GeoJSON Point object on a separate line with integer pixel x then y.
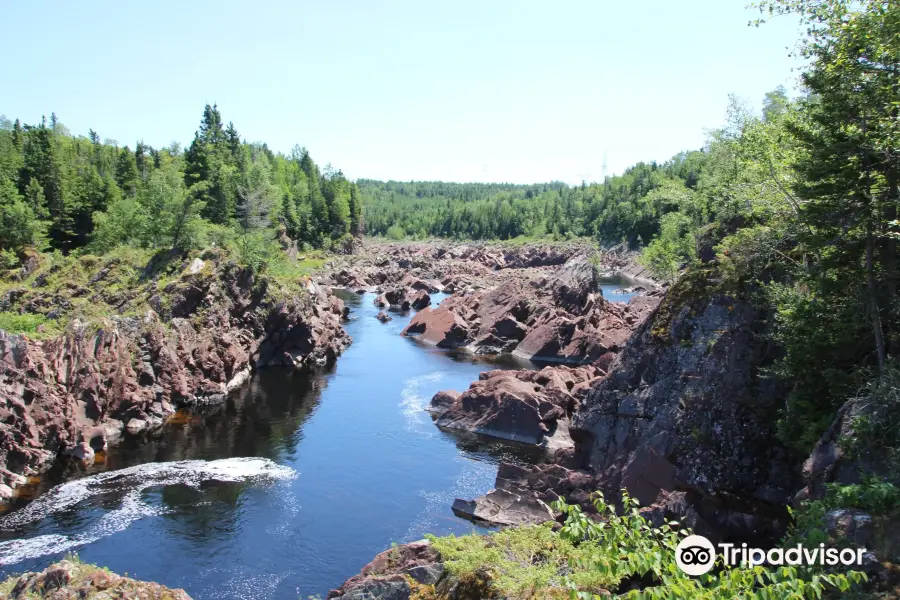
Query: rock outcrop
{"type": "Point", "coordinates": [390, 574]}
{"type": "Point", "coordinates": [681, 418]}
{"type": "Point", "coordinates": [557, 316]}
{"type": "Point", "coordinates": [685, 409]}
{"type": "Point", "coordinates": [194, 341]}
{"type": "Point", "coordinates": [432, 266]}
{"type": "Point", "coordinates": [74, 579]}
{"type": "Point", "coordinates": [526, 406]}
{"type": "Point", "coordinates": [845, 456]}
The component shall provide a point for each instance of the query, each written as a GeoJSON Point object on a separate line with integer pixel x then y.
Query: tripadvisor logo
{"type": "Point", "coordinates": [696, 555]}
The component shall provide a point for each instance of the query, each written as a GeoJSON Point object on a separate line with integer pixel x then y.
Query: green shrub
{"type": "Point", "coordinates": [11, 322]}
{"type": "Point", "coordinates": [587, 558]}
{"type": "Point", "coordinates": [395, 232]}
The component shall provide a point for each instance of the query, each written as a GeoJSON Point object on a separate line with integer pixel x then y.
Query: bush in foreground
{"type": "Point", "coordinates": [622, 555]}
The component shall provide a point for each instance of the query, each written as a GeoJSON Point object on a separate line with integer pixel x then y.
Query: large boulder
{"type": "Point", "coordinates": [508, 508]}
{"type": "Point", "coordinates": [385, 578]}
{"type": "Point", "coordinates": [524, 406]}
{"type": "Point", "coordinates": [687, 400]}
{"type": "Point", "coordinates": [421, 300]}
{"type": "Point", "coordinates": [522, 495]}
{"type": "Point", "coordinates": [441, 326]}
{"type": "Point", "coordinates": [573, 283]}
{"type": "Point", "coordinates": [502, 407]}
{"type": "Point", "coordinates": [398, 298]}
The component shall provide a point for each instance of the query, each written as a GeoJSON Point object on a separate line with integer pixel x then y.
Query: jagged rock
{"type": "Point", "coordinates": [421, 300]}
{"type": "Point", "coordinates": [525, 406]}
{"type": "Point", "coordinates": [830, 463]}
{"type": "Point", "coordinates": [384, 317]}
{"type": "Point", "coordinates": [64, 395]}
{"type": "Point", "coordinates": [69, 580]}
{"type": "Point", "coordinates": [395, 298]}
{"type": "Point", "coordinates": [687, 388]}
{"type": "Point", "coordinates": [573, 283]}
{"type": "Point", "coordinates": [385, 576]}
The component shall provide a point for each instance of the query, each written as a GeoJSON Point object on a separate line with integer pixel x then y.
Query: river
{"type": "Point", "coordinates": [347, 462]}
{"type": "Point", "coordinates": [285, 490]}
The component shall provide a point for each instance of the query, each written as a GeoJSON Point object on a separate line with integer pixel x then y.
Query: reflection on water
{"type": "Point", "coordinates": [347, 461]}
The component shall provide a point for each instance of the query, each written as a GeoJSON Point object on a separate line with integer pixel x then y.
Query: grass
{"type": "Point", "coordinates": [30, 324]}
{"type": "Point", "coordinates": [121, 283]}
{"type": "Point", "coordinates": [524, 562]}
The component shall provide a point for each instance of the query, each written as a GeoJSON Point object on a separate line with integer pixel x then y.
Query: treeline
{"type": "Point", "coordinates": [65, 192]}
{"type": "Point", "coordinates": [626, 207]}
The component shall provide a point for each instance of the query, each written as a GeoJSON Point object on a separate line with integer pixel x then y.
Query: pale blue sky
{"type": "Point", "coordinates": [456, 90]}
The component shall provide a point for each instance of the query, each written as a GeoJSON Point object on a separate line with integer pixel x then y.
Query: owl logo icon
{"type": "Point", "coordinates": [695, 555]}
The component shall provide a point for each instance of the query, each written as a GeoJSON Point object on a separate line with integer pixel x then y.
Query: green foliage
{"type": "Point", "coordinates": [78, 192]}
{"type": "Point", "coordinates": [874, 430]}
{"type": "Point", "coordinates": [589, 557]}
{"type": "Point", "coordinates": [673, 249]}
{"type": "Point", "coordinates": [395, 232]}
{"type": "Point", "coordinates": [628, 206]}
{"type": "Point", "coordinates": [254, 249]}
{"type": "Point", "coordinates": [24, 323]}
{"type": "Point", "coordinates": [873, 495]}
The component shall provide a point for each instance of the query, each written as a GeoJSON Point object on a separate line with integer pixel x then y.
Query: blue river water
{"type": "Point", "coordinates": [342, 463]}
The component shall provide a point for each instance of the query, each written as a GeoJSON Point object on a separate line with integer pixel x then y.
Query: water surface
{"type": "Point", "coordinates": [347, 462]}
{"type": "Point", "coordinates": [611, 284]}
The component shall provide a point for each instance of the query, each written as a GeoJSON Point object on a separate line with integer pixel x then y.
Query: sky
{"type": "Point", "coordinates": [489, 90]}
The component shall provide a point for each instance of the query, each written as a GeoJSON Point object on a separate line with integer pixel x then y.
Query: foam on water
{"type": "Point", "coordinates": [130, 482]}
{"type": "Point", "coordinates": [413, 401]}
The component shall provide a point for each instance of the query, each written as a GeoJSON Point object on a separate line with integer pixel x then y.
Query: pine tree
{"type": "Point", "coordinates": [18, 136]}
{"type": "Point", "coordinates": [127, 173]}
{"type": "Point", "coordinates": [140, 161]}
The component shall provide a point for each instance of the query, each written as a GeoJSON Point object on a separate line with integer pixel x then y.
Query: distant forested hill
{"type": "Point", "coordinates": [627, 207]}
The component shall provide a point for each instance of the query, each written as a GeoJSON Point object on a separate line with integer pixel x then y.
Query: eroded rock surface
{"type": "Point", "coordinates": [686, 408]}
{"type": "Point", "coordinates": [386, 576]}
{"type": "Point", "coordinates": [681, 417]}
{"type": "Point", "coordinates": [71, 394]}
{"type": "Point", "coordinates": [526, 406]}
{"type": "Point", "coordinates": [557, 316]}
{"type": "Point", "coordinates": [70, 579]}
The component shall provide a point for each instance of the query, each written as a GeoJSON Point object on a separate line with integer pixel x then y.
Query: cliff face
{"type": "Point", "coordinates": [191, 342]}
{"type": "Point", "coordinates": [686, 409]}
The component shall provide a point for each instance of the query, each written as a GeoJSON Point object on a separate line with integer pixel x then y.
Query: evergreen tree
{"type": "Point", "coordinates": [127, 172]}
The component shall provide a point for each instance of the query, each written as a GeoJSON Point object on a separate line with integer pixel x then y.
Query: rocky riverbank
{"type": "Point", "coordinates": [137, 343]}
{"type": "Point", "coordinates": [683, 418]}
{"type": "Point", "coordinates": [539, 303]}
{"type": "Point", "coordinates": [71, 578]}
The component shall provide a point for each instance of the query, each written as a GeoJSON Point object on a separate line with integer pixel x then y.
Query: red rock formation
{"type": "Point", "coordinates": [525, 406]}
{"type": "Point", "coordinates": [72, 393]}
